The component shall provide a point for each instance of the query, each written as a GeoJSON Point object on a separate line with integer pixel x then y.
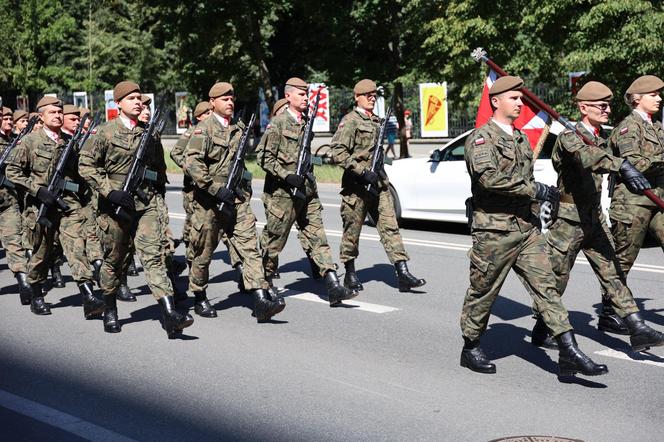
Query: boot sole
{"type": "Point", "coordinates": [207, 314]}
{"type": "Point", "coordinates": [42, 313]}
{"type": "Point", "coordinates": [112, 330]}
{"type": "Point", "coordinates": [488, 371]}
{"type": "Point", "coordinates": [275, 312]}
{"type": "Point", "coordinates": [645, 347]}
{"type": "Point", "coordinates": [572, 372]}
{"type": "Point", "coordinates": [126, 299]}
{"type": "Point", "coordinates": [407, 288]}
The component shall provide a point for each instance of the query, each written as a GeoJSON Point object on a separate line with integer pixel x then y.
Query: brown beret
{"type": "Point", "coordinates": [220, 88]}
{"type": "Point", "coordinates": [146, 100]}
{"type": "Point", "coordinates": [364, 87]}
{"type": "Point", "coordinates": [298, 83]}
{"type": "Point", "coordinates": [504, 84]}
{"type": "Point", "coordinates": [278, 105]}
{"type": "Point", "coordinates": [19, 114]}
{"type": "Point", "coordinates": [124, 88]}
{"type": "Point", "coordinates": [6, 111]}
{"type": "Point", "coordinates": [69, 109]}
{"type": "Point", "coordinates": [645, 85]}
{"type": "Point", "coordinates": [83, 110]}
{"type": "Point", "coordinates": [201, 108]}
{"type": "Point", "coordinates": [46, 100]}
{"type": "Point", "coordinates": [594, 91]}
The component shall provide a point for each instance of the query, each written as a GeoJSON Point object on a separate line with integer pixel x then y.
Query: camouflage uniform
{"type": "Point", "coordinates": [504, 230]}
{"type": "Point", "coordinates": [352, 148]}
{"type": "Point", "coordinates": [633, 215]}
{"type": "Point", "coordinates": [104, 162]}
{"type": "Point", "coordinates": [278, 154]}
{"type": "Point", "coordinates": [581, 225]}
{"type": "Point", "coordinates": [11, 224]}
{"type": "Point", "coordinates": [208, 157]}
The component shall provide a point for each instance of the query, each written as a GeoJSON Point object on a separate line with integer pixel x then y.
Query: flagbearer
{"type": "Point", "coordinates": [506, 235]}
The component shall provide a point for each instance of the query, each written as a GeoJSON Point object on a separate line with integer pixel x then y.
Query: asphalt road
{"type": "Point", "coordinates": [385, 368]}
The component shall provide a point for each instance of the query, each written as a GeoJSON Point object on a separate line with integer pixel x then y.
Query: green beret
{"type": "Point", "coordinates": [364, 87]}
{"type": "Point", "coordinates": [201, 108]}
{"type": "Point", "coordinates": [298, 83]}
{"type": "Point", "coordinates": [46, 101]}
{"type": "Point", "coordinates": [505, 84]}
{"type": "Point", "coordinates": [645, 85]}
{"type": "Point", "coordinates": [594, 91]}
{"type": "Point", "coordinates": [124, 88]}
{"type": "Point", "coordinates": [221, 88]}
{"type": "Point", "coordinates": [70, 109]}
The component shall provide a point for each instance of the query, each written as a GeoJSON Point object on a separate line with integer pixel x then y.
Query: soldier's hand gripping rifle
{"type": "Point", "coordinates": [479, 54]}
{"type": "Point", "coordinates": [378, 157]}
{"type": "Point", "coordinates": [138, 171]}
{"type": "Point", "coordinates": [4, 182]}
{"type": "Point", "coordinates": [237, 169]}
{"type": "Point", "coordinates": [58, 183]}
{"type": "Point", "coordinates": [304, 153]}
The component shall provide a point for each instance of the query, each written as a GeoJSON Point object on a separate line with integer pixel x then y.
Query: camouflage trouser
{"type": "Point", "coordinates": [233, 253]}
{"type": "Point", "coordinates": [11, 233]}
{"type": "Point", "coordinates": [92, 242]}
{"type": "Point", "coordinates": [166, 234]}
{"type": "Point", "coordinates": [206, 231]}
{"type": "Point", "coordinates": [629, 225]}
{"type": "Point", "coordinates": [116, 240]}
{"type": "Point", "coordinates": [355, 203]}
{"type": "Point", "coordinates": [42, 242]}
{"type": "Point", "coordinates": [187, 205]}
{"type": "Point", "coordinates": [281, 213]}
{"type": "Point", "coordinates": [492, 256]}
{"type": "Point", "coordinates": [57, 252]}
{"type": "Point", "coordinates": [72, 237]}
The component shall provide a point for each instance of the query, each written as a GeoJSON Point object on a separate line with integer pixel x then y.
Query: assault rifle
{"type": "Point", "coordinates": [304, 153]}
{"type": "Point", "coordinates": [138, 171]}
{"type": "Point", "coordinates": [378, 157]}
{"type": "Point", "coordinates": [4, 182]}
{"type": "Point", "coordinates": [95, 122]}
{"type": "Point", "coordinates": [236, 169]}
{"type": "Point", "coordinates": [58, 183]}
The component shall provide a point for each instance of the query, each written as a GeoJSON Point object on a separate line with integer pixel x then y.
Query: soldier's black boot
{"type": "Point", "coordinates": [111, 322]}
{"type": "Point", "coordinates": [265, 306]}
{"type": "Point", "coordinates": [406, 280]}
{"type": "Point", "coordinates": [351, 281]}
{"type": "Point", "coordinates": [239, 269]}
{"type": "Point", "coordinates": [123, 293]}
{"type": "Point", "coordinates": [132, 270]}
{"type": "Point", "coordinates": [24, 289]}
{"type": "Point", "coordinates": [572, 360]}
{"type": "Point", "coordinates": [474, 358]}
{"type": "Point", "coordinates": [641, 336]}
{"type": "Point", "coordinates": [609, 321]}
{"type": "Point", "coordinates": [541, 336]}
{"type": "Point", "coordinates": [315, 270]}
{"type": "Point", "coordinates": [37, 304]}
{"type": "Point", "coordinates": [96, 269]}
{"type": "Point", "coordinates": [202, 306]}
{"type": "Point", "coordinates": [56, 276]}
{"type": "Point", "coordinates": [28, 254]}
{"type": "Point", "coordinates": [335, 291]}
{"type": "Point", "coordinates": [92, 305]}
{"type": "Point", "coordinates": [173, 321]}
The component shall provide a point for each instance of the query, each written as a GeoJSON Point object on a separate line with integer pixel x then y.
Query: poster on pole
{"type": "Point", "coordinates": [322, 121]}
{"type": "Point", "coordinates": [264, 110]}
{"type": "Point", "coordinates": [81, 99]}
{"type": "Point", "coordinates": [183, 112]}
{"type": "Point", "coordinates": [433, 109]}
{"type": "Point", "coordinates": [112, 110]}
{"type": "Point", "coordinates": [23, 103]}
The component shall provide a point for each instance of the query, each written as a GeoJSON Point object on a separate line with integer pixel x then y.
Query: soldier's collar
{"type": "Point", "coordinates": [225, 122]}
{"type": "Point", "coordinates": [646, 117]}
{"type": "Point", "coordinates": [507, 128]}
{"type": "Point", "coordinates": [364, 113]}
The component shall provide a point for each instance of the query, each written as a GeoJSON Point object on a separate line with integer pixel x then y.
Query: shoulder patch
{"type": "Point", "coordinates": [479, 141]}
{"type": "Point", "coordinates": [198, 131]}
{"type": "Point", "coordinates": [93, 131]}
{"type": "Point", "coordinates": [624, 130]}
{"type": "Point", "coordinates": [342, 124]}
{"type": "Point", "coordinates": [187, 134]}
{"type": "Point", "coordinates": [18, 142]}
{"type": "Point", "coordinates": [268, 126]}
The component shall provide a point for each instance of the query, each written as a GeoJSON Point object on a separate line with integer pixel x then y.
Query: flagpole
{"type": "Point", "coordinates": [479, 54]}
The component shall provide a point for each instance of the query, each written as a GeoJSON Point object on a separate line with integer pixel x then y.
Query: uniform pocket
{"type": "Point", "coordinates": [42, 160]}
{"type": "Point", "coordinates": [559, 239]}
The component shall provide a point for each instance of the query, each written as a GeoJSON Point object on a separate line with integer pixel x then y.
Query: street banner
{"type": "Point", "coordinates": [183, 113]}
{"type": "Point", "coordinates": [322, 121]}
{"type": "Point", "coordinates": [81, 99]}
{"type": "Point", "coordinates": [23, 103]}
{"type": "Point", "coordinates": [433, 110]}
{"type": "Point", "coordinates": [111, 106]}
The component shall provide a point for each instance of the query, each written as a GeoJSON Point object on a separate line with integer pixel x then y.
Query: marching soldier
{"type": "Point", "coordinates": [20, 118]}
{"type": "Point", "coordinates": [104, 163]}
{"type": "Point", "coordinates": [580, 223]}
{"type": "Point", "coordinates": [277, 154]}
{"type": "Point", "coordinates": [352, 148]}
{"type": "Point", "coordinates": [11, 225]}
{"type": "Point", "coordinates": [506, 235]}
{"type": "Point", "coordinates": [638, 138]}
{"type": "Point", "coordinates": [208, 157]}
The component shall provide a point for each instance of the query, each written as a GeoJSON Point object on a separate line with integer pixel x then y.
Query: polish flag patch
{"type": "Point", "coordinates": [479, 141]}
{"type": "Point", "coordinates": [268, 126]}
{"type": "Point", "coordinates": [93, 131]}
{"type": "Point", "coordinates": [198, 131]}
{"type": "Point", "coordinates": [624, 130]}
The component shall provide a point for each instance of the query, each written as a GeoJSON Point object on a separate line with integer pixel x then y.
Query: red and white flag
{"type": "Point", "coordinates": [531, 121]}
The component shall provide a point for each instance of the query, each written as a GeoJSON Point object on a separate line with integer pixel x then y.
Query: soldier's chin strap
{"type": "Point", "coordinates": [480, 54]}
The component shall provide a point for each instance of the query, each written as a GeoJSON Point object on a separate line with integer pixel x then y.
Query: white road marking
{"type": "Point", "coordinates": [55, 418]}
{"type": "Point", "coordinates": [358, 305]}
{"type": "Point", "coordinates": [624, 356]}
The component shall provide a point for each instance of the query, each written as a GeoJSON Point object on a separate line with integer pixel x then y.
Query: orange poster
{"type": "Point", "coordinates": [433, 109]}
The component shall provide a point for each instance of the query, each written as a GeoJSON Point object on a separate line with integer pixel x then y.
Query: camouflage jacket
{"type": "Point", "coordinates": [177, 155]}
{"type": "Point", "coordinates": [580, 168]}
{"type": "Point", "coordinates": [643, 145]}
{"type": "Point", "coordinates": [501, 173]}
{"type": "Point", "coordinates": [7, 196]}
{"type": "Point", "coordinates": [107, 156]}
{"type": "Point", "coordinates": [277, 154]}
{"type": "Point", "coordinates": [209, 155]}
{"type": "Point", "coordinates": [353, 144]}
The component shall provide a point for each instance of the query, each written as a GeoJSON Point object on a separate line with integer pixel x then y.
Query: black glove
{"type": "Point", "coordinates": [46, 197]}
{"type": "Point", "coordinates": [224, 195]}
{"type": "Point", "coordinates": [634, 180]}
{"type": "Point", "coordinates": [547, 193]}
{"type": "Point", "coordinates": [122, 198]}
{"type": "Point", "coordinates": [369, 177]}
{"type": "Point", "coordinates": [295, 180]}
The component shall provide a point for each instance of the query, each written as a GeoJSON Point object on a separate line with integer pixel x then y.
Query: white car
{"type": "Point", "coordinates": [437, 187]}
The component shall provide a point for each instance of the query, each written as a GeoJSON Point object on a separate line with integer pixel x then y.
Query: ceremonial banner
{"type": "Point", "coordinates": [182, 112]}
{"type": "Point", "coordinates": [531, 121]}
{"type": "Point", "coordinates": [81, 99]}
{"type": "Point", "coordinates": [574, 78]}
{"type": "Point", "coordinates": [433, 109]}
{"type": "Point", "coordinates": [112, 110]}
{"type": "Point", "coordinates": [322, 122]}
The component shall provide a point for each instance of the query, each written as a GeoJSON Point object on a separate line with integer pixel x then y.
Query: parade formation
{"type": "Point", "coordinates": [92, 194]}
